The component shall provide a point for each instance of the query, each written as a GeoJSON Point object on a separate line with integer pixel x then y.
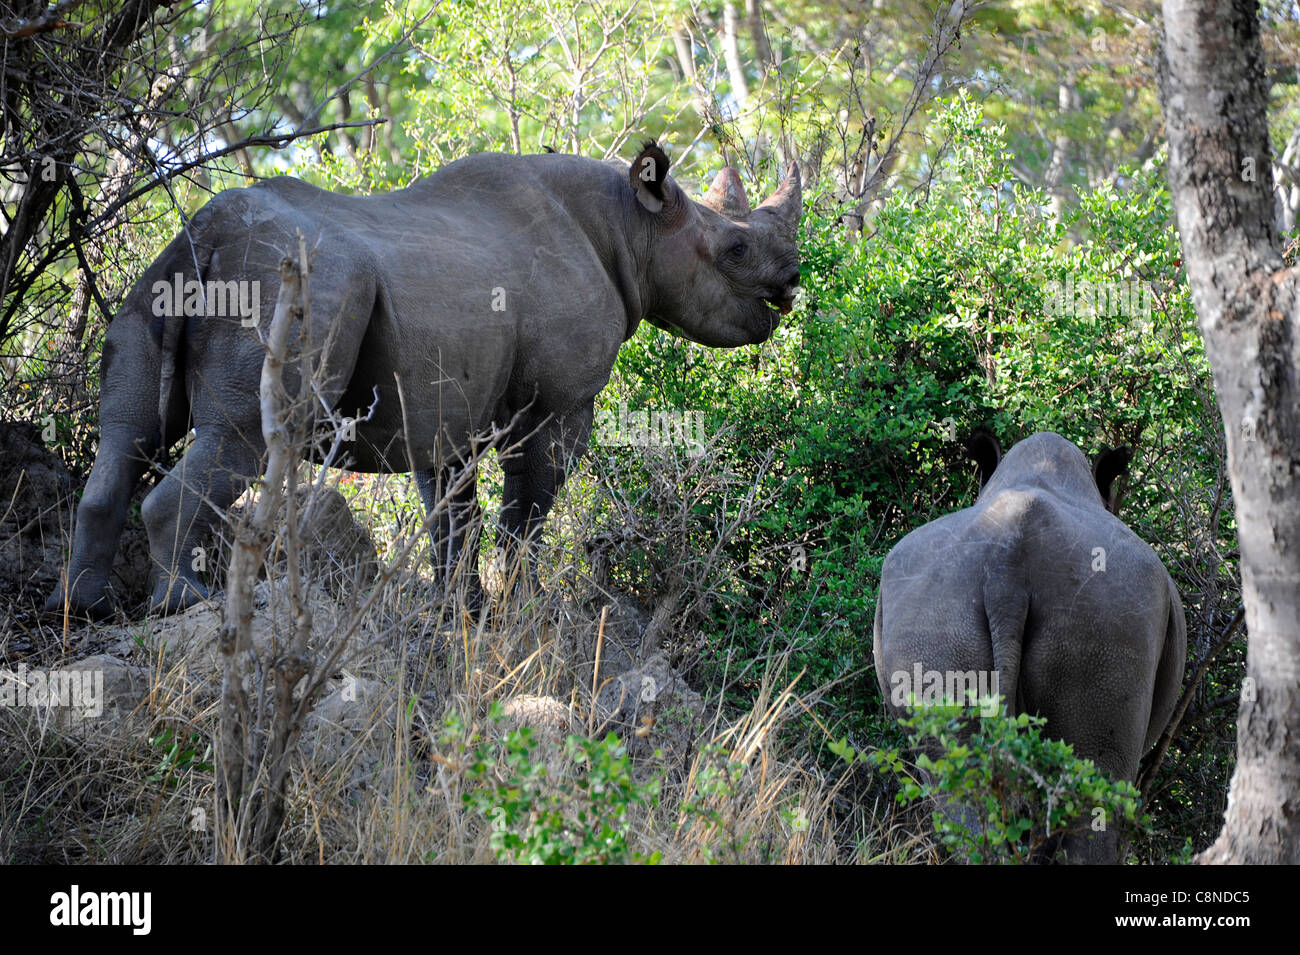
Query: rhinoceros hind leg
{"type": "Point", "coordinates": [174, 594]}
{"type": "Point", "coordinates": [180, 511]}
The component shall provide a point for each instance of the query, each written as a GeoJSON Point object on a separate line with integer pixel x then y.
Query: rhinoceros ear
{"type": "Point", "coordinates": [727, 196]}
{"type": "Point", "coordinates": [1110, 464]}
{"type": "Point", "coordinates": [984, 448]}
{"type": "Point", "coordinates": [648, 176]}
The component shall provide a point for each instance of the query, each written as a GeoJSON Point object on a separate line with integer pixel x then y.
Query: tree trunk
{"type": "Point", "coordinates": [1286, 182]}
{"type": "Point", "coordinates": [1214, 94]}
{"type": "Point", "coordinates": [731, 53]}
{"type": "Point", "coordinates": [758, 35]}
{"type": "Point", "coordinates": [685, 48]}
{"type": "Point", "coordinates": [1067, 102]}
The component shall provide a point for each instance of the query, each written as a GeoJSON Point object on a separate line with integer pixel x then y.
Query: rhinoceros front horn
{"type": "Point", "coordinates": [727, 196]}
{"type": "Point", "coordinates": [787, 202]}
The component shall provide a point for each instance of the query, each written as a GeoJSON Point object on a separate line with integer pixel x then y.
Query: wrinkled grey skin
{"type": "Point", "coordinates": [579, 252]}
{"type": "Point", "coordinates": [1008, 585]}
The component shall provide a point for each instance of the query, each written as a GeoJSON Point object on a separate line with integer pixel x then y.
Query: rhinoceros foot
{"type": "Point", "coordinates": [173, 595]}
{"type": "Point", "coordinates": [88, 598]}
{"type": "Point", "coordinates": [469, 599]}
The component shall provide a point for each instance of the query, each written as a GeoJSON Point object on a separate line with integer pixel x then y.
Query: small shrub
{"type": "Point", "coordinates": [1012, 793]}
{"type": "Point", "coordinates": [571, 818]}
{"type": "Point", "coordinates": [709, 810]}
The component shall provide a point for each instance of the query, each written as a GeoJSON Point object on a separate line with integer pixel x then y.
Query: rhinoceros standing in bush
{"type": "Point", "coordinates": [499, 286]}
{"type": "Point", "coordinates": [1041, 584]}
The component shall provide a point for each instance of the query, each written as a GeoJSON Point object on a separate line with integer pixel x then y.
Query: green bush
{"type": "Point", "coordinates": [1010, 794]}
{"type": "Point", "coordinates": [581, 816]}
{"type": "Point", "coordinates": [949, 315]}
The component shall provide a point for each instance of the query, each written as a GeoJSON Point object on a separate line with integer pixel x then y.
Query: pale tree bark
{"type": "Point", "coordinates": [1067, 101]}
{"type": "Point", "coordinates": [685, 48]}
{"type": "Point", "coordinates": [1286, 179]}
{"type": "Point", "coordinates": [240, 749]}
{"type": "Point", "coordinates": [1214, 92]}
{"type": "Point", "coordinates": [758, 35]}
{"type": "Point", "coordinates": [731, 53]}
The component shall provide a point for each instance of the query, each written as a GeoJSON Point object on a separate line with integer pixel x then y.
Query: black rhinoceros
{"type": "Point", "coordinates": [499, 286]}
{"type": "Point", "coordinates": [1039, 588]}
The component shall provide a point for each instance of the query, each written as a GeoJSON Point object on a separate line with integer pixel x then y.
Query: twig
{"type": "Point", "coordinates": [595, 671]}
{"type": "Point", "coordinates": [12, 28]}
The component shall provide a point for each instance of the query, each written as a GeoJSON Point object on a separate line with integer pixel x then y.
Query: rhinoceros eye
{"type": "Point", "coordinates": [738, 249]}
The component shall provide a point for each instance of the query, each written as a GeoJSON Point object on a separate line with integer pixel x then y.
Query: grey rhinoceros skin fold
{"type": "Point", "coordinates": [497, 290]}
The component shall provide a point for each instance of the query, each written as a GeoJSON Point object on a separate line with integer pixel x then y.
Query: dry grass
{"type": "Point", "coordinates": [388, 782]}
{"type": "Point", "coordinates": [393, 792]}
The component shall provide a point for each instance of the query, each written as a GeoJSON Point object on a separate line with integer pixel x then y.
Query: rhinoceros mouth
{"type": "Point", "coordinates": [781, 305]}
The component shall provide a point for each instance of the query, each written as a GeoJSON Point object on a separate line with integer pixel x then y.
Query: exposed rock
{"type": "Point", "coordinates": [337, 549]}
{"type": "Point", "coordinates": [551, 724]}
{"type": "Point", "coordinates": [189, 641]}
{"type": "Point", "coordinates": [32, 479]}
{"type": "Point", "coordinates": [651, 707]}
{"type": "Point", "coordinates": [352, 730]}
{"type": "Point", "coordinates": [338, 544]}
{"type": "Point", "coordinates": [546, 716]}
{"type": "Point", "coordinates": [97, 695]}
{"type": "Point", "coordinates": [579, 633]}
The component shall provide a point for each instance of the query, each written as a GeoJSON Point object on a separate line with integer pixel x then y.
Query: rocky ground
{"type": "Point", "coordinates": [148, 663]}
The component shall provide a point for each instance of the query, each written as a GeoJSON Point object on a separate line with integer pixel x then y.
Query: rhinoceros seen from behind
{"type": "Point", "coordinates": [1040, 592]}
{"type": "Point", "coordinates": [498, 289]}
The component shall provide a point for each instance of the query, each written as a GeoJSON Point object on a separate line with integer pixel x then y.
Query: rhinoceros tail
{"type": "Point", "coordinates": [171, 337]}
{"type": "Point", "coordinates": [189, 257]}
{"type": "Point", "coordinates": [1006, 609]}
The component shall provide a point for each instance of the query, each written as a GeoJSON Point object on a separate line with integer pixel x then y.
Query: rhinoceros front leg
{"type": "Point", "coordinates": [119, 463]}
{"type": "Point", "coordinates": [533, 478]}
{"type": "Point", "coordinates": [180, 511]}
{"type": "Point", "coordinates": [454, 535]}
